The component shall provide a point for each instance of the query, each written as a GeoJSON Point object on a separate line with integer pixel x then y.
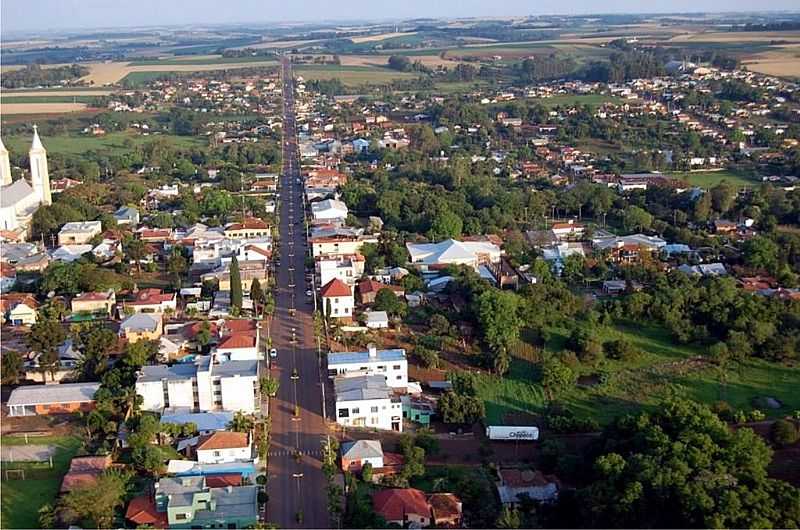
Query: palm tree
{"type": "Point", "coordinates": [241, 423]}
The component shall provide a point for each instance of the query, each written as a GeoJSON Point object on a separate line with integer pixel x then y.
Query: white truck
{"type": "Point", "coordinates": [506, 432]}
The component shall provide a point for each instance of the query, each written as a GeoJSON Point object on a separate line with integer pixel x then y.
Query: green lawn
{"type": "Point", "coordinates": [135, 79]}
{"type": "Point", "coordinates": [21, 499]}
{"type": "Point", "coordinates": [709, 179]}
{"type": "Point", "coordinates": [665, 369]}
{"type": "Point", "coordinates": [352, 75]}
{"type": "Point", "coordinates": [112, 143]}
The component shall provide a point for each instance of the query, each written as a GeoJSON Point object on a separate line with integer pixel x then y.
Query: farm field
{"type": "Point", "coordinates": [203, 60]}
{"type": "Point", "coordinates": [780, 61]}
{"type": "Point", "coordinates": [382, 36]}
{"type": "Point", "coordinates": [70, 91]}
{"type": "Point", "coordinates": [709, 179]}
{"type": "Point", "coordinates": [664, 369]}
{"type": "Point", "coordinates": [9, 109]}
{"type": "Point", "coordinates": [22, 499]}
{"type": "Point", "coordinates": [109, 73]}
{"type": "Point", "coordinates": [351, 75]}
{"type": "Point", "coordinates": [112, 143]}
{"type": "Point", "coordinates": [10, 99]}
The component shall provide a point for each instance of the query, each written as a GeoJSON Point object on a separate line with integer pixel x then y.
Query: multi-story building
{"type": "Point", "coordinates": [390, 364]}
{"type": "Point", "coordinates": [94, 302]}
{"type": "Point", "coordinates": [346, 268]}
{"type": "Point", "coordinates": [190, 503]}
{"type": "Point", "coordinates": [79, 232]}
{"type": "Point", "coordinates": [201, 385]}
{"type": "Point", "coordinates": [367, 401]}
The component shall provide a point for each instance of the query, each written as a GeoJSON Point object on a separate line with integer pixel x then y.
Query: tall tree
{"type": "Point", "coordinates": [256, 294]}
{"type": "Point", "coordinates": [236, 284]}
{"type": "Point", "coordinates": [12, 367]}
{"type": "Point", "coordinates": [45, 338]}
{"type": "Point", "coordinates": [94, 505]}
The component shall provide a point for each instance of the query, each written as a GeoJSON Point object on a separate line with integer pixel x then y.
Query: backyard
{"type": "Point", "coordinates": [41, 483]}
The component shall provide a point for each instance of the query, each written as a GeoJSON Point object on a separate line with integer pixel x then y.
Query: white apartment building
{"type": "Point", "coordinates": [390, 364]}
{"type": "Point", "coordinates": [201, 386]}
{"type": "Point", "coordinates": [346, 268]}
{"type": "Point", "coordinates": [367, 401]}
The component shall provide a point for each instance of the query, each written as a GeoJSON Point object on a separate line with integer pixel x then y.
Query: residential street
{"type": "Point", "coordinates": [296, 486]}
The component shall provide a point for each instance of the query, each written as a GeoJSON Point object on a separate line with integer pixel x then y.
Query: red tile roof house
{"type": "Point", "coordinates": [153, 301]}
{"type": "Point", "coordinates": [224, 446]}
{"type": "Point", "coordinates": [446, 510]}
{"type": "Point", "coordinates": [368, 290]}
{"type": "Point", "coordinates": [142, 511]}
{"type": "Point", "coordinates": [337, 299]}
{"type": "Point", "coordinates": [402, 506]}
{"type": "Point", "coordinates": [84, 471]}
{"type": "Point", "coordinates": [237, 347]}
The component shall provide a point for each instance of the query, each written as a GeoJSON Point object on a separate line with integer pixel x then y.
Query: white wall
{"type": "Point", "coordinates": [395, 377]}
{"type": "Point", "coordinates": [238, 393]}
{"type": "Point", "coordinates": [367, 417]}
{"type": "Point", "coordinates": [180, 393]}
{"type": "Point", "coordinates": [152, 394]}
{"type": "Point", "coordinates": [341, 306]}
{"type": "Point", "coordinates": [219, 456]}
{"type": "Point", "coordinates": [204, 398]}
{"type": "Point", "coordinates": [239, 354]}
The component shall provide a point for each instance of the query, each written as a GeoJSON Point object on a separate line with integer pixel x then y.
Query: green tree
{"type": "Point", "coordinates": [136, 251]}
{"type": "Point", "coordinates": [177, 264]}
{"type": "Point", "coordinates": [455, 407]}
{"type": "Point", "coordinates": [723, 196]}
{"type": "Point", "coordinates": [95, 504]}
{"type": "Point", "coordinates": [96, 342]}
{"type": "Point", "coordinates": [12, 367]}
{"type": "Point", "coordinates": [761, 252]}
{"type": "Point", "coordinates": [636, 218]}
{"type": "Point", "coordinates": [509, 518]}
{"type": "Point", "coordinates": [241, 422]}
{"type": "Point", "coordinates": [557, 377]}
{"type": "Point", "coordinates": [236, 284]}
{"type": "Point", "coordinates": [139, 353]}
{"type": "Point", "coordinates": [387, 300]}
{"type": "Point", "coordinates": [784, 433]}
{"type": "Point", "coordinates": [45, 338]}
{"type": "Point", "coordinates": [445, 225]}
{"type": "Point", "coordinates": [683, 456]}
{"type": "Point", "coordinates": [269, 386]}
{"type": "Point", "coordinates": [256, 294]}
{"type": "Point", "coordinates": [498, 318]}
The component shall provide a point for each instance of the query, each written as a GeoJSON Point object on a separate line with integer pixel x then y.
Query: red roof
{"type": "Point", "coordinates": [445, 505]}
{"type": "Point", "coordinates": [152, 296]}
{"type": "Point", "coordinates": [336, 288]}
{"type": "Point", "coordinates": [373, 286]}
{"type": "Point", "coordinates": [194, 328]}
{"type": "Point", "coordinates": [395, 504]}
{"type": "Point", "coordinates": [221, 481]}
{"type": "Point", "coordinates": [240, 325]}
{"type": "Point", "coordinates": [237, 340]}
{"type": "Point", "coordinates": [84, 470]}
{"type": "Point", "coordinates": [142, 511]}
{"type": "Point", "coordinates": [250, 223]}
{"type": "Point", "coordinates": [222, 440]}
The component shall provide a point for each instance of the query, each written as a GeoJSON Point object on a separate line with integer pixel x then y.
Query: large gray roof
{"type": "Point", "coordinates": [361, 388]}
{"type": "Point", "coordinates": [15, 192]}
{"type": "Point", "coordinates": [361, 449]}
{"type": "Point", "coordinates": [45, 394]}
{"type": "Point", "coordinates": [181, 371]}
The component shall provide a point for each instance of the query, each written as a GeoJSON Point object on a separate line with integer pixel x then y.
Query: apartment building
{"type": "Point", "coordinates": [367, 401]}
{"type": "Point", "coordinates": [201, 385]}
{"type": "Point", "coordinates": [390, 364]}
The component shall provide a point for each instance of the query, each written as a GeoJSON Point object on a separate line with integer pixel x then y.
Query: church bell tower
{"type": "Point", "coordinates": [40, 177]}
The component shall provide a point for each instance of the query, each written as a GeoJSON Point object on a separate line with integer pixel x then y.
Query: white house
{"type": "Point", "coordinates": [357, 453]}
{"type": "Point", "coordinates": [201, 385]}
{"type": "Point", "coordinates": [329, 210]}
{"type": "Point", "coordinates": [346, 268]}
{"type": "Point", "coordinates": [70, 253]}
{"type": "Point", "coordinates": [367, 401]}
{"type": "Point", "coordinates": [377, 320]}
{"type": "Point", "coordinates": [237, 347]}
{"type": "Point", "coordinates": [222, 447]}
{"type": "Point", "coordinates": [392, 365]}
{"type": "Point", "coordinates": [337, 299]}
{"type": "Point", "coordinates": [79, 232]}
{"type": "Point", "coordinates": [433, 256]}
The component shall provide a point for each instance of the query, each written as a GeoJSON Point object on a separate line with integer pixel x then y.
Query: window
{"type": "Point", "coordinates": [344, 413]}
{"type": "Point", "coordinates": [217, 453]}
{"type": "Point", "coordinates": [374, 409]}
{"type": "Point", "coordinates": [396, 367]}
{"type": "Point", "coordinates": [355, 410]}
{"type": "Point", "coordinates": [381, 368]}
{"type": "Point", "coordinates": [399, 377]}
{"type": "Point", "coordinates": [180, 516]}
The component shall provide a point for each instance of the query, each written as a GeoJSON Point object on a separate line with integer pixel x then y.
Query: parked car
{"type": "Point", "coordinates": [273, 353]}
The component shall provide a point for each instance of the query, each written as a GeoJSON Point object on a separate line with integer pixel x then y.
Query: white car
{"type": "Point", "coordinates": [309, 293]}
{"type": "Point", "coordinates": [273, 353]}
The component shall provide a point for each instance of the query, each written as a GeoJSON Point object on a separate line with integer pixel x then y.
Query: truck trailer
{"type": "Point", "coordinates": [505, 432]}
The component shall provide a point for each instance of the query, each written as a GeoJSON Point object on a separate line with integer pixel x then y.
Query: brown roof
{"type": "Point", "coordinates": [520, 478]}
{"type": "Point", "coordinates": [445, 505]}
{"type": "Point", "coordinates": [142, 511]}
{"type": "Point", "coordinates": [395, 504]}
{"type": "Point", "coordinates": [336, 288]}
{"type": "Point", "coordinates": [151, 296]}
{"type": "Point", "coordinates": [84, 470]}
{"type": "Point", "coordinates": [238, 340]}
{"type": "Point", "coordinates": [240, 325]}
{"type": "Point", "coordinates": [249, 223]}
{"type": "Point", "coordinates": [373, 286]}
{"type": "Point", "coordinates": [222, 440]}
{"type": "Point", "coordinates": [221, 481]}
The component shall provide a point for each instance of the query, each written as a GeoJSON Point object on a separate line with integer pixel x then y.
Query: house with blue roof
{"type": "Point", "coordinates": [391, 364]}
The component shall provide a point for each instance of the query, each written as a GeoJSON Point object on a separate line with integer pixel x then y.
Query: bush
{"type": "Point", "coordinates": [723, 410]}
{"type": "Point", "coordinates": [757, 415]}
{"type": "Point", "coordinates": [567, 424]}
{"type": "Point", "coordinates": [784, 433]}
{"type": "Point", "coordinates": [366, 472]}
{"type": "Point", "coordinates": [428, 357]}
{"type": "Point", "coordinates": [261, 480]}
{"type": "Point", "coordinates": [621, 350]}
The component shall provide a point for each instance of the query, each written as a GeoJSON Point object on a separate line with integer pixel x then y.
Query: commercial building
{"type": "Point", "coordinates": [391, 364]}
{"type": "Point", "coordinates": [367, 401]}
{"type": "Point", "coordinates": [42, 400]}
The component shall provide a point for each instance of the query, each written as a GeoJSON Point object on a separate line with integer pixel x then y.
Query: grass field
{"type": "Point", "coordinates": [22, 499]}
{"type": "Point", "coordinates": [9, 109]}
{"type": "Point", "coordinates": [709, 179]}
{"type": "Point", "coordinates": [351, 75]}
{"type": "Point", "coordinates": [112, 143]}
{"type": "Point", "coordinates": [109, 73]}
{"type": "Point", "coordinates": [205, 60]}
{"type": "Point", "coordinates": [6, 99]}
{"type": "Point", "coordinates": [665, 369]}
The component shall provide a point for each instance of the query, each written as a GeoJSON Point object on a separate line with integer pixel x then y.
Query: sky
{"type": "Point", "coordinates": [41, 15]}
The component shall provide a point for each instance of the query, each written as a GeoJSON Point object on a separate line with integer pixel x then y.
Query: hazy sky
{"type": "Point", "coordinates": [39, 15]}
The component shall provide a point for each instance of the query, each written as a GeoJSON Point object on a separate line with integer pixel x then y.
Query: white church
{"type": "Point", "coordinates": [19, 199]}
